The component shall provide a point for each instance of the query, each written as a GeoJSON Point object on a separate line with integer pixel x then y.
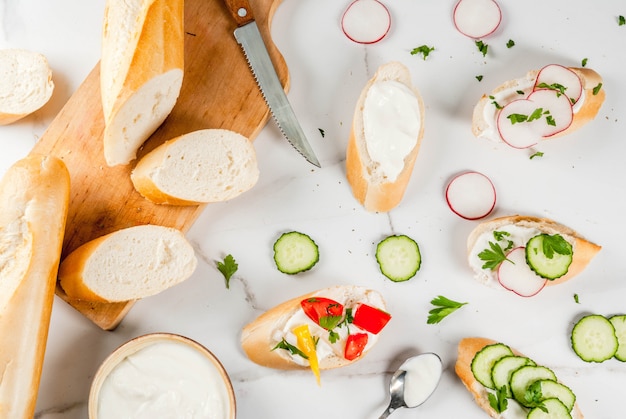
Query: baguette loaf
{"type": "Point", "coordinates": [35, 195]}
{"type": "Point", "coordinates": [387, 129]}
{"type": "Point", "coordinates": [467, 350]}
{"type": "Point", "coordinates": [521, 229]}
{"type": "Point", "coordinates": [128, 264]}
{"type": "Point", "coordinates": [210, 165]}
{"type": "Point", "coordinates": [25, 84]}
{"type": "Point", "coordinates": [485, 111]}
{"type": "Point", "coordinates": [141, 71]}
{"type": "Point", "coordinates": [260, 337]}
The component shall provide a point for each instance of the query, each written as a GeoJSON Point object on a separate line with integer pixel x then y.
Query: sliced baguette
{"type": "Point", "coordinates": [25, 84]}
{"type": "Point", "coordinates": [35, 195]}
{"type": "Point", "coordinates": [583, 250]}
{"type": "Point", "coordinates": [260, 337]}
{"type": "Point", "coordinates": [128, 264]}
{"type": "Point", "coordinates": [372, 186]}
{"type": "Point", "coordinates": [141, 71]}
{"type": "Point", "coordinates": [210, 165]}
{"type": "Point", "coordinates": [467, 349]}
{"type": "Point", "coordinates": [485, 127]}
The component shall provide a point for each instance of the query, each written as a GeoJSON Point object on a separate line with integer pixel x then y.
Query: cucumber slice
{"type": "Point", "coordinates": [295, 252]}
{"type": "Point", "coordinates": [399, 257]}
{"type": "Point", "coordinates": [550, 389]}
{"type": "Point", "coordinates": [549, 256]}
{"type": "Point", "coordinates": [504, 367]}
{"type": "Point", "coordinates": [594, 339]}
{"type": "Point", "coordinates": [522, 378]}
{"type": "Point", "coordinates": [619, 323]}
{"type": "Point", "coordinates": [554, 409]}
{"type": "Point", "coordinates": [484, 360]}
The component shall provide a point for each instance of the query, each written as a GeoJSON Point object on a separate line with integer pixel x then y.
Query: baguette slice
{"type": "Point", "coordinates": [467, 349]}
{"type": "Point", "coordinates": [260, 337]}
{"type": "Point", "coordinates": [34, 193]}
{"type": "Point", "coordinates": [210, 165]}
{"type": "Point", "coordinates": [583, 250]}
{"type": "Point", "coordinates": [25, 84]}
{"type": "Point", "coordinates": [128, 264]}
{"type": "Point", "coordinates": [483, 117]}
{"type": "Point", "coordinates": [379, 181]}
{"type": "Point", "coordinates": [141, 71]}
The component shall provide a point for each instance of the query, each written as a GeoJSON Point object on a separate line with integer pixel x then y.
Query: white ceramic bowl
{"type": "Point", "coordinates": [161, 372]}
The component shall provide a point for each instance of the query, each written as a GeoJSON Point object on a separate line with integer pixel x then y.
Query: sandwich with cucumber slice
{"type": "Point", "coordinates": [523, 254]}
{"type": "Point", "coordinates": [508, 384]}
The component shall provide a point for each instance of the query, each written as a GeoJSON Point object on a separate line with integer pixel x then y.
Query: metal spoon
{"type": "Point", "coordinates": [397, 384]}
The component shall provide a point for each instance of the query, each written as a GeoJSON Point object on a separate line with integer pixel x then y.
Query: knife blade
{"type": "Point", "coordinates": [249, 38]}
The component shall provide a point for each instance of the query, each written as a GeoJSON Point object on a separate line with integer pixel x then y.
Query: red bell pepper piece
{"type": "Point", "coordinates": [355, 344]}
{"type": "Point", "coordinates": [370, 318]}
{"type": "Point", "coordinates": [322, 310]}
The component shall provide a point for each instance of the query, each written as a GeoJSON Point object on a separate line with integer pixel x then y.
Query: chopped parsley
{"type": "Point", "coordinates": [520, 92]}
{"type": "Point", "coordinates": [517, 118]}
{"type": "Point", "coordinates": [227, 268]}
{"type": "Point", "coordinates": [425, 50]}
{"type": "Point", "coordinates": [479, 77]}
{"type": "Point", "coordinates": [495, 255]}
{"type": "Point", "coordinates": [510, 43]}
{"type": "Point", "coordinates": [536, 154]}
{"type": "Point", "coordinates": [322, 132]}
{"type": "Point", "coordinates": [498, 401]}
{"type": "Point", "coordinates": [496, 104]}
{"type": "Point", "coordinates": [482, 47]}
{"type": "Point", "coordinates": [621, 20]}
{"type": "Point", "coordinates": [443, 307]}
{"type": "Point", "coordinates": [596, 89]}
{"type": "Point", "coordinates": [283, 344]}
{"type": "Point", "coordinates": [550, 120]}
{"type": "Point", "coordinates": [576, 299]}
{"type": "Point", "coordinates": [559, 88]}
{"type": "Point", "coordinates": [584, 62]}
{"type": "Point", "coordinates": [533, 396]}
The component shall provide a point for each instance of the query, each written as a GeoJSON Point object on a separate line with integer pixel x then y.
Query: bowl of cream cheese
{"type": "Point", "coordinates": [162, 375]}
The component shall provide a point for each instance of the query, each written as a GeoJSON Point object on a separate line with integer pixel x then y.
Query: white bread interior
{"type": "Point", "coordinates": [210, 165]}
{"type": "Point", "coordinates": [583, 250]}
{"type": "Point", "coordinates": [35, 196]}
{"type": "Point", "coordinates": [258, 337]}
{"type": "Point", "coordinates": [141, 71]}
{"type": "Point", "coordinates": [128, 264]}
{"type": "Point", "coordinates": [467, 349]}
{"type": "Point", "coordinates": [371, 188]}
{"type": "Point", "coordinates": [588, 111]}
{"type": "Point", "coordinates": [25, 83]}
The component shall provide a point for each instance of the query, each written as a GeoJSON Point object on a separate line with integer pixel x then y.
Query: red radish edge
{"type": "Point", "coordinates": [366, 21]}
{"type": "Point", "coordinates": [477, 18]}
{"type": "Point", "coordinates": [515, 275]}
{"type": "Point", "coordinates": [471, 195]}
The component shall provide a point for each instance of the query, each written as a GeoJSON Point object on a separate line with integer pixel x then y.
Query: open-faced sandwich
{"type": "Point", "coordinates": [552, 101]}
{"type": "Point", "coordinates": [329, 328]}
{"type": "Point", "coordinates": [523, 254]}
{"type": "Point", "coordinates": [508, 384]}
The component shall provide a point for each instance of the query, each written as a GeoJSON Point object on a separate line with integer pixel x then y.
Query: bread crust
{"type": "Point", "coordinates": [257, 339]}
{"type": "Point", "coordinates": [588, 111]}
{"type": "Point", "coordinates": [583, 250]}
{"type": "Point", "coordinates": [379, 195]}
{"type": "Point", "coordinates": [35, 193]}
{"type": "Point", "coordinates": [467, 349]}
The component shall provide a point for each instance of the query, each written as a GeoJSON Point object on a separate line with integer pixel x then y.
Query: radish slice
{"type": "Point", "coordinates": [366, 21]}
{"type": "Point", "coordinates": [557, 74]}
{"type": "Point", "coordinates": [477, 18]}
{"type": "Point", "coordinates": [555, 115]}
{"type": "Point", "coordinates": [471, 195]}
{"type": "Point", "coordinates": [515, 275]}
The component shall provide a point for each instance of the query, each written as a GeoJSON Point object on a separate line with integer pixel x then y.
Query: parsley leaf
{"type": "Point", "coordinates": [479, 77]}
{"type": "Point", "coordinates": [322, 132]}
{"type": "Point", "coordinates": [333, 337]}
{"type": "Point", "coordinates": [493, 257]}
{"type": "Point", "coordinates": [621, 20]}
{"type": "Point", "coordinates": [550, 120]}
{"type": "Point", "coordinates": [555, 244]}
{"type": "Point", "coordinates": [535, 115]}
{"type": "Point", "coordinates": [496, 104]}
{"type": "Point", "coordinates": [584, 62]}
{"type": "Point", "coordinates": [425, 50]}
{"type": "Point", "coordinates": [510, 43]}
{"type": "Point", "coordinates": [443, 307]}
{"type": "Point", "coordinates": [537, 154]}
{"type": "Point", "coordinates": [482, 47]}
{"type": "Point", "coordinates": [576, 299]}
{"type": "Point", "coordinates": [283, 344]}
{"type": "Point", "coordinates": [517, 118]}
{"type": "Point", "coordinates": [559, 88]}
{"type": "Point", "coordinates": [498, 401]}
{"type": "Point", "coordinates": [533, 395]}
{"type": "Point", "coordinates": [227, 268]}
{"type": "Point", "coordinates": [330, 322]}
{"type": "Point", "coordinates": [596, 89]}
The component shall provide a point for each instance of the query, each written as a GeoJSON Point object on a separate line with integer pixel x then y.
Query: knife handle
{"type": "Point", "coordinates": [240, 10]}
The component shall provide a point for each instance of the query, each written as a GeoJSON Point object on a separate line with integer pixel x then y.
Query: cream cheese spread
{"type": "Point", "coordinates": [391, 124]}
{"type": "Point", "coordinates": [164, 380]}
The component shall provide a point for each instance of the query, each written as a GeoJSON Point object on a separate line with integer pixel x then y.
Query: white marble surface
{"type": "Point", "coordinates": [579, 181]}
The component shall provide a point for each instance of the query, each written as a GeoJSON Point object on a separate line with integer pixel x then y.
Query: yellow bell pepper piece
{"type": "Point", "coordinates": [307, 345]}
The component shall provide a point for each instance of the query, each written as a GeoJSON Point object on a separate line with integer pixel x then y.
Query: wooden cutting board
{"type": "Point", "coordinates": [218, 91]}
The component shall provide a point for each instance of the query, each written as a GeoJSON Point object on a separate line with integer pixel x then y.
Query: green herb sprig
{"type": "Point", "coordinates": [498, 401]}
{"type": "Point", "coordinates": [228, 267]}
{"type": "Point", "coordinates": [443, 308]}
{"type": "Point", "coordinates": [425, 50]}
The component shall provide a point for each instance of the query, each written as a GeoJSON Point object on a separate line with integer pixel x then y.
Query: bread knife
{"type": "Point", "coordinates": [248, 36]}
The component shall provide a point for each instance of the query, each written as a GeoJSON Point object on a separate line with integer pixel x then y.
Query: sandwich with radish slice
{"type": "Point", "coordinates": [524, 254]}
{"type": "Point", "coordinates": [546, 103]}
